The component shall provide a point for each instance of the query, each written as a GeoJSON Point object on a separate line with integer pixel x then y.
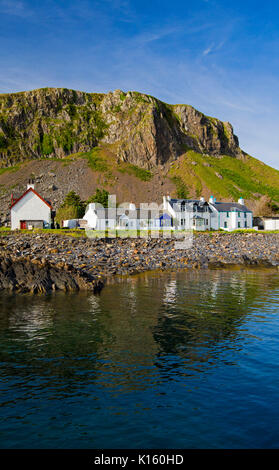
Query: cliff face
{"type": "Point", "coordinates": [131, 144]}
{"type": "Point", "coordinates": [141, 129]}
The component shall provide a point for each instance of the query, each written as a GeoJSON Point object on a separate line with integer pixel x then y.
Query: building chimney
{"type": "Point", "coordinates": [30, 184]}
{"type": "Point", "coordinates": [241, 201]}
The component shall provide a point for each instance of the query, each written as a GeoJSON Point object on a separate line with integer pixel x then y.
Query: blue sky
{"type": "Point", "coordinates": [219, 56]}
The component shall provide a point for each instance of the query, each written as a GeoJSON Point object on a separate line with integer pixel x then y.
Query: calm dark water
{"type": "Point", "coordinates": [186, 360]}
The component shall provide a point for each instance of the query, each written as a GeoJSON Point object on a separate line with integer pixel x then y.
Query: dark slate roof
{"type": "Point", "coordinates": [229, 206]}
{"type": "Point", "coordinates": [179, 201]}
{"type": "Point", "coordinates": [189, 204]}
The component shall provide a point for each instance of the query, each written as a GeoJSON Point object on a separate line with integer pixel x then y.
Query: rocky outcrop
{"type": "Point", "coordinates": [25, 275]}
{"type": "Point", "coordinates": [55, 122]}
{"type": "Point", "coordinates": [209, 134]}
{"type": "Point", "coordinates": [43, 263]}
{"type": "Point", "coordinates": [48, 122]}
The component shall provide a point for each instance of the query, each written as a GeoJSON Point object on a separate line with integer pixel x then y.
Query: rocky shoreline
{"type": "Point", "coordinates": [45, 262]}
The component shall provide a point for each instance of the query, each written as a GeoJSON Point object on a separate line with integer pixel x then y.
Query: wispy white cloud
{"type": "Point", "coordinates": [155, 35]}
{"type": "Point", "coordinates": [198, 64]}
{"type": "Point", "coordinates": [14, 8]}
{"type": "Point", "coordinates": [213, 47]}
{"type": "Point", "coordinates": [208, 50]}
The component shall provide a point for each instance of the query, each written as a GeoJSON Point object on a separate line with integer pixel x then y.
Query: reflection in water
{"type": "Point", "coordinates": [157, 360]}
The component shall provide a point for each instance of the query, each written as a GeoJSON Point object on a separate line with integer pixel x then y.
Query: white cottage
{"type": "Point", "coordinates": [31, 211]}
{"type": "Point", "coordinates": [188, 214]}
{"type": "Point", "coordinates": [191, 214]}
{"type": "Point", "coordinates": [230, 215]}
{"type": "Point", "coordinates": [126, 218]}
{"type": "Point", "coordinates": [100, 218]}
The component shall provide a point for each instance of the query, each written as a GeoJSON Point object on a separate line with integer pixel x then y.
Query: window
{"type": "Point", "coordinates": [225, 224]}
{"type": "Point", "coordinates": [228, 214]}
{"type": "Point", "coordinates": [239, 214]}
{"type": "Point", "coordinates": [238, 224]}
{"type": "Point", "coordinates": [245, 215]}
{"type": "Point", "coordinates": [245, 224]}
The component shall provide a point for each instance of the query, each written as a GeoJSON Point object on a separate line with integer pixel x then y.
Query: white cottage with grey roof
{"type": "Point", "coordinates": [230, 215]}
{"type": "Point", "coordinates": [188, 214]}
{"type": "Point", "coordinates": [179, 214]}
{"type": "Point", "coordinates": [192, 214]}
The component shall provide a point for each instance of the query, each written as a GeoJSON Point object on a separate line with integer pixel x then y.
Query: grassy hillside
{"type": "Point", "coordinates": [226, 177]}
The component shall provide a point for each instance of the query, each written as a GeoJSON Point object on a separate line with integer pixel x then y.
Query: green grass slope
{"type": "Point", "coordinates": [226, 177]}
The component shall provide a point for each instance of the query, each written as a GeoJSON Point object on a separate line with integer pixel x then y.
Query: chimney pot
{"type": "Point", "coordinates": [30, 184]}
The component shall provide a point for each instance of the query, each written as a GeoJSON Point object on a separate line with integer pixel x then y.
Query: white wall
{"type": "Point", "coordinates": [30, 207]}
{"type": "Point", "coordinates": [103, 224]}
{"type": "Point", "coordinates": [214, 221]}
{"type": "Point", "coordinates": [271, 224]}
{"type": "Point", "coordinates": [168, 207]}
{"type": "Point", "coordinates": [187, 218]}
{"type": "Point", "coordinates": [70, 223]}
{"type": "Point", "coordinates": [218, 220]}
{"type": "Point", "coordinates": [90, 216]}
{"type": "Point", "coordinates": [236, 218]}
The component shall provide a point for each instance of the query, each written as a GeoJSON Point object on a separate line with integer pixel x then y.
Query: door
{"type": "Point", "coordinates": [23, 224]}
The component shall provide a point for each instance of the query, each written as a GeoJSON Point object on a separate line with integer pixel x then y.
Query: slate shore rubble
{"type": "Point", "coordinates": [40, 263]}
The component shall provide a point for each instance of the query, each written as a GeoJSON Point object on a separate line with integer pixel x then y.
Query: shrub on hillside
{"type": "Point", "coordinates": [71, 208]}
{"type": "Point", "coordinates": [100, 196]}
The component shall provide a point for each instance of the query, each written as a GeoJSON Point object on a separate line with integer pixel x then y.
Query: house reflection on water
{"type": "Point", "coordinates": [133, 335]}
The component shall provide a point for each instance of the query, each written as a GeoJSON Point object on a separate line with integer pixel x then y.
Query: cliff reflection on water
{"type": "Point", "coordinates": [157, 360]}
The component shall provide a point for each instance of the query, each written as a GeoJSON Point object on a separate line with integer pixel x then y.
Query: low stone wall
{"type": "Point", "coordinates": [45, 262]}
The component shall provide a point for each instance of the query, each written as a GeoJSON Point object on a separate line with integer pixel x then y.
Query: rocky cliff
{"type": "Point", "coordinates": [131, 144]}
{"type": "Point", "coordinates": [55, 122]}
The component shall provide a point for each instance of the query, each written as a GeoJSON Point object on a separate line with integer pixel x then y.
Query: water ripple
{"type": "Point", "coordinates": [157, 360]}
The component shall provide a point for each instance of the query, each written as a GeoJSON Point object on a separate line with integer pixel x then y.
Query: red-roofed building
{"type": "Point", "coordinates": [31, 211]}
